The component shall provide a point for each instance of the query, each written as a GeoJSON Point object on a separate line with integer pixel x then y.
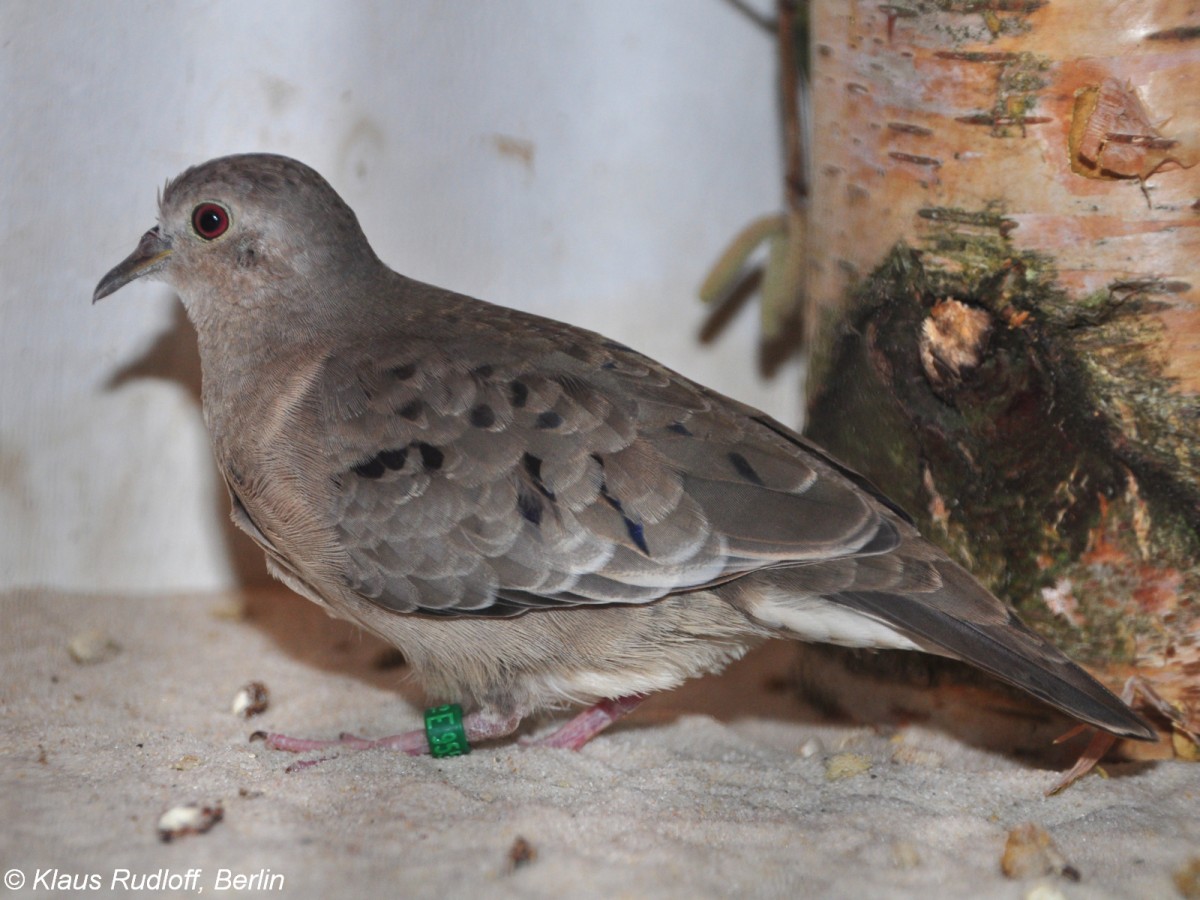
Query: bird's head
{"type": "Point", "coordinates": [255, 230]}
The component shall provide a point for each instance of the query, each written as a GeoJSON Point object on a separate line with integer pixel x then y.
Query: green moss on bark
{"type": "Point", "coordinates": [1060, 465]}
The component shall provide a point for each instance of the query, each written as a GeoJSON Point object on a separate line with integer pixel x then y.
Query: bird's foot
{"type": "Point", "coordinates": [478, 727]}
{"type": "Point", "coordinates": [589, 723]}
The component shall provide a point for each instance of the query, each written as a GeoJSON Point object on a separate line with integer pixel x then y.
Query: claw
{"type": "Point", "coordinates": [1136, 688]}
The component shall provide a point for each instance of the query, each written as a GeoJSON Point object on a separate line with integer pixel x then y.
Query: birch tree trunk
{"type": "Point", "coordinates": [1003, 304]}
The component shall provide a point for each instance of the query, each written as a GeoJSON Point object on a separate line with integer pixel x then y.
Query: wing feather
{"type": "Point", "coordinates": [491, 475]}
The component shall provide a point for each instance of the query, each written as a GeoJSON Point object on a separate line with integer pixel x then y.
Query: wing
{"type": "Point", "coordinates": [513, 462]}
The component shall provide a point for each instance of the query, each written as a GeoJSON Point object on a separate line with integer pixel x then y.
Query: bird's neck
{"type": "Point", "coordinates": [247, 358]}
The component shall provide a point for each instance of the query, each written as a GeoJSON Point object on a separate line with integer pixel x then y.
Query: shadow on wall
{"type": "Point", "coordinates": [175, 356]}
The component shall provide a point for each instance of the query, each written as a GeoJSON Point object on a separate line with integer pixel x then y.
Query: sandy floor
{"type": "Point", "coordinates": [723, 788]}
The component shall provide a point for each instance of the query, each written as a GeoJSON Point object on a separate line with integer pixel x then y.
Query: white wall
{"type": "Point", "coordinates": [585, 160]}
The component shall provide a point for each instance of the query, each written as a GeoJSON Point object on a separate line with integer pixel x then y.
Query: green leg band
{"type": "Point", "coordinates": [444, 731]}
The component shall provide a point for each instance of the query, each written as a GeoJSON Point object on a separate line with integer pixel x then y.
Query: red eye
{"type": "Point", "coordinates": [210, 220]}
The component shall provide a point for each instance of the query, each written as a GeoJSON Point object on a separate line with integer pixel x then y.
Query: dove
{"type": "Point", "coordinates": [536, 516]}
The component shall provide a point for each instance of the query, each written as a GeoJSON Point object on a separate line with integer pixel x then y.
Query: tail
{"type": "Point", "coordinates": [963, 620]}
{"type": "Point", "coordinates": [916, 598]}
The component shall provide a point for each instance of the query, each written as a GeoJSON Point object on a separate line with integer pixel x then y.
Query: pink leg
{"type": "Point", "coordinates": [478, 726]}
{"type": "Point", "coordinates": [589, 723]}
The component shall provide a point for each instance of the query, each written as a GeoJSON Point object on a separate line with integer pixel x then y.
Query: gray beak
{"type": "Point", "coordinates": [152, 253]}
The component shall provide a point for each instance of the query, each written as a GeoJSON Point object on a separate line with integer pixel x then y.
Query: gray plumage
{"type": "Point", "coordinates": [532, 513]}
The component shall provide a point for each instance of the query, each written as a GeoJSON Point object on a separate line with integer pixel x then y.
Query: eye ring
{"type": "Point", "coordinates": [210, 220]}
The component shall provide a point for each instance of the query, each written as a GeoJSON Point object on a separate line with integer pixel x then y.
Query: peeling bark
{"type": "Point", "coordinates": [1003, 298]}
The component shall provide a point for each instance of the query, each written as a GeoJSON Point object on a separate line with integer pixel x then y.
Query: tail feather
{"type": "Point", "coordinates": [961, 619]}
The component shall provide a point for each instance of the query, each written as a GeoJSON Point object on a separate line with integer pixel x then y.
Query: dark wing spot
{"type": "Point", "coordinates": [411, 410]}
{"type": "Point", "coordinates": [637, 534]}
{"type": "Point", "coordinates": [533, 466]}
{"type": "Point", "coordinates": [484, 371]}
{"type": "Point", "coordinates": [372, 468]}
{"type": "Point", "coordinates": [549, 419]}
{"type": "Point", "coordinates": [530, 506]}
{"type": "Point", "coordinates": [520, 393]}
{"type": "Point", "coordinates": [612, 501]}
{"type": "Point", "coordinates": [431, 456]}
{"type": "Point", "coordinates": [403, 373]}
{"type": "Point", "coordinates": [635, 530]}
{"type": "Point", "coordinates": [610, 365]}
{"type": "Point", "coordinates": [483, 416]}
{"type": "Point", "coordinates": [679, 428]}
{"type": "Point", "coordinates": [743, 467]}
{"type": "Point", "coordinates": [394, 459]}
